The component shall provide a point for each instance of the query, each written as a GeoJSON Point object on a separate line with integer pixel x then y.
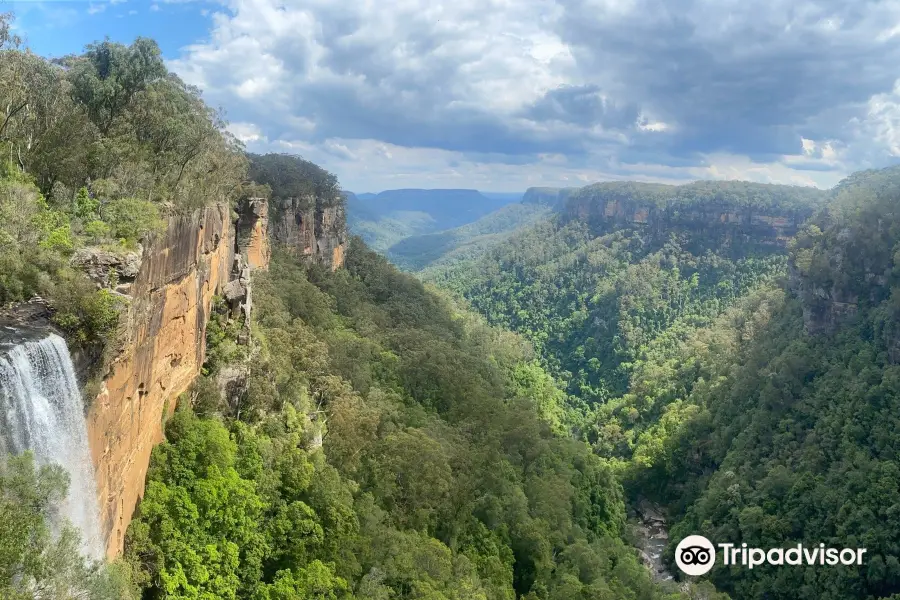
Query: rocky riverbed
{"type": "Point", "coordinates": [651, 536]}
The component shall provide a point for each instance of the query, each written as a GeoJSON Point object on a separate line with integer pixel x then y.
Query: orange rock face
{"type": "Point", "coordinates": [337, 259]}
{"type": "Point", "coordinates": [255, 242]}
{"type": "Point", "coordinates": [180, 273]}
{"type": "Point", "coordinates": [641, 215]}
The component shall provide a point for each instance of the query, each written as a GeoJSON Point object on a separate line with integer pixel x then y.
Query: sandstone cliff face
{"type": "Point", "coordinates": [180, 272]}
{"type": "Point", "coordinates": [253, 233]}
{"type": "Point", "coordinates": [314, 228]}
{"type": "Point", "coordinates": [764, 225]}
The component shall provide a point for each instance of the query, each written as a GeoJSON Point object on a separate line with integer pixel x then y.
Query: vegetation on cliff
{"type": "Point", "coordinates": [290, 177]}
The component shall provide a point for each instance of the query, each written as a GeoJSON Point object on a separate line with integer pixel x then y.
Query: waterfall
{"type": "Point", "coordinates": [41, 411]}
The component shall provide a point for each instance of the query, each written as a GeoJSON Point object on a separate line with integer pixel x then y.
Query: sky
{"type": "Point", "coordinates": [501, 95]}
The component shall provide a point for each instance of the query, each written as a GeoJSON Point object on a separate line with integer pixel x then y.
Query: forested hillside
{"type": "Point", "coordinates": [94, 150]}
{"type": "Point", "coordinates": [749, 389]}
{"type": "Point", "coordinates": [434, 250]}
{"type": "Point", "coordinates": [591, 294]}
{"type": "Point", "coordinates": [387, 218]}
{"type": "Point", "coordinates": [430, 469]}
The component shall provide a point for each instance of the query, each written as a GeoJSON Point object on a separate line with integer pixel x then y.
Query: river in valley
{"type": "Point", "coordinates": [650, 535]}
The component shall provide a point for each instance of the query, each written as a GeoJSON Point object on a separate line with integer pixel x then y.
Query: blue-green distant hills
{"type": "Point", "coordinates": [385, 218]}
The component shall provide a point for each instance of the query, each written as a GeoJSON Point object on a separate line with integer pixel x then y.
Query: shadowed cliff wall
{"type": "Point", "coordinates": [313, 227]}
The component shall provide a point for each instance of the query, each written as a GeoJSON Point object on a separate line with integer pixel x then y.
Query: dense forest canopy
{"type": "Point", "coordinates": [288, 177]}
{"type": "Point", "coordinates": [751, 393]}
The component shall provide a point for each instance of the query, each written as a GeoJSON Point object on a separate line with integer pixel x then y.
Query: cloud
{"type": "Point", "coordinates": [776, 90]}
{"type": "Point", "coordinates": [246, 132]}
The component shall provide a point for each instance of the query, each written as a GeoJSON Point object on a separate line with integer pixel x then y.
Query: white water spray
{"type": "Point", "coordinates": [41, 411]}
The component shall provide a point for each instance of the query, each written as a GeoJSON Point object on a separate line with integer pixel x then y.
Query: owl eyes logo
{"type": "Point", "coordinates": [695, 555]}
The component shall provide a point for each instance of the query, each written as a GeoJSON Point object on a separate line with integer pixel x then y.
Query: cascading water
{"type": "Point", "coordinates": [41, 411]}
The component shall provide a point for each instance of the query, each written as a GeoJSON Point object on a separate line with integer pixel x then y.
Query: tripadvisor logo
{"type": "Point", "coordinates": [696, 555]}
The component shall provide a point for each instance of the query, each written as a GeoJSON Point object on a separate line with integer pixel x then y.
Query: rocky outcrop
{"type": "Point", "coordinates": [109, 268]}
{"type": "Point", "coordinates": [162, 352]}
{"type": "Point", "coordinates": [312, 227]}
{"type": "Point", "coordinates": [824, 308]}
{"type": "Point", "coordinates": [253, 233]}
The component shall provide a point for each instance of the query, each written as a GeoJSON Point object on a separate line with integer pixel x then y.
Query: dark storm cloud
{"type": "Point", "coordinates": [584, 106]}
{"type": "Point", "coordinates": [736, 77]}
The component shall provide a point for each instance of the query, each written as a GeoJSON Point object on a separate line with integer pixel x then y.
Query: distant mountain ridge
{"type": "Point", "coordinates": [420, 251]}
{"type": "Point", "coordinates": [385, 218]}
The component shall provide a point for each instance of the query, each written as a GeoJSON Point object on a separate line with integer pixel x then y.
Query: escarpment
{"type": "Point", "coordinates": [162, 347]}
{"type": "Point", "coordinates": [764, 213]}
{"type": "Point", "coordinates": [181, 271]}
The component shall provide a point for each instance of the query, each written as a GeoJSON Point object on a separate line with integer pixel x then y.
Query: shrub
{"type": "Point", "coordinates": [130, 218]}
{"type": "Point", "coordinates": [97, 231]}
{"type": "Point", "coordinates": [87, 315]}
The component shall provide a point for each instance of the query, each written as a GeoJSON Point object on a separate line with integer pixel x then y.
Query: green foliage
{"type": "Point", "coordinates": [418, 252]}
{"type": "Point", "coordinates": [222, 332]}
{"type": "Point", "coordinates": [592, 305]}
{"type": "Point", "coordinates": [35, 240]}
{"type": "Point", "coordinates": [130, 218]}
{"type": "Point", "coordinates": [97, 231]}
{"type": "Point", "coordinates": [86, 207]}
{"type": "Point", "coordinates": [440, 475]}
{"type": "Point", "coordinates": [35, 563]}
{"type": "Point", "coordinates": [717, 402]}
{"type": "Point", "coordinates": [290, 177]}
{"type": "Point", "coordinates": [86, 314]}
{"type": "Point", "coordinates": [110, 75]}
